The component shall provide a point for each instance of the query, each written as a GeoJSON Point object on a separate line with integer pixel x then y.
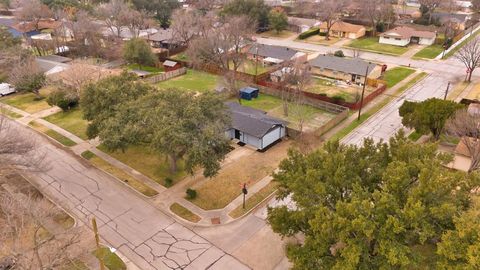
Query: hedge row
{"type": "Point", "coordinates": [309, 33]}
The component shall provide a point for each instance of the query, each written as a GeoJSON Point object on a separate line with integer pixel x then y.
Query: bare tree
{"type": "Point", "coordinates": [469, 55]}
{"type": "Point", "coordinates": [111, 13]}
{"type": "Point", "coordinates": [328, 11]}
{"type": "Point", "coordinates": [370, 9]}
{"type": "Point", "coordinates": [296, 79]}
{"type": "Point", "coordinates": [27, 76]}
{"type": "Point", "coordinates": [431, 6]}
{"type": "Point", "coordinates": [467, 126]}
{"type": "Point", "coordinates": [134, 20]}
{"type": "Point", "coordinates": [86, 35]}
{"type": "Point", "coordinates": [17, 149]}
{"type": "Point", "coordinates": [25, 219]}
{"type": "Point", "coordinates": [32, 11]}
{"type": "Point", "coordinates": [222, 47]}
{"type": "Point", "coordinates": [204, 6]}
{"type": "Point", "coordinates": [185, 25]}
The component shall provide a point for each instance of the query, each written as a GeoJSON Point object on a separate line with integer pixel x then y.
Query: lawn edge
{"type": "Point", "coordinates": [119, 180]}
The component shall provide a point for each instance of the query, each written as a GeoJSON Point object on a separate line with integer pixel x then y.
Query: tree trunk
{"type": "Point", "coordinates": [470, 75]}
{"type": "Point", "coordinates": [173, 163]}
{"type": "Point", "coordinates": [285, 108]}
{"type": "Point", "coordinates": [430, 17]}
{"type": "Point", "coordinates": [36, 246]}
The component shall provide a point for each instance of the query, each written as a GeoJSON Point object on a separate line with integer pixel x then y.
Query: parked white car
{"type": "Point", "coordinates": [6, 89]}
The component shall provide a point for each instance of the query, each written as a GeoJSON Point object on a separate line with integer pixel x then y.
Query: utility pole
{"type": "Point", "coordinates": [97, 241]}
{"type": "Point", "coordinates": [256, 63]}
{"type": "Point", "coordinates": [363, 91]}
{"type": "Point", "coordinates": [446, 92]}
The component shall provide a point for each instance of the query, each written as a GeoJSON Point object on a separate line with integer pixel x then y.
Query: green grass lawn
{"type": "Point", "coordinates": [346, 130]}
{"type": "Point", "coordinates": [263, 102]}
{"type": "Point", "coordinates": [10, 114]}
{"type": "Point", "coordinates": [145, 68]}
{"type": "Point", "coordinates": [119, 174]}
{"type": "Point", "coordinates": [371, 44]}
{"type": "Point", "coordinates": [429, 52]}
{"type": "Point", "coordinates": [281, 35]}
{"type": "Point", "coordinates": [151, 164]}
{"type": "Point", "coordinates": [180, 56]}
{"type": "Point", "coordinates": [193, 80]}
{"type": "Point", "coordinates": [248, 67]}
{"type": "Point", "coordinates": [110, 259]}
{"type": "Point", "coordinates": [72, 121]}
{"type": "Point", "coordinates": [27, 102]}
{"type": "Point", "coordinates": [396, 75]}
{"type": "Point", "coordinates": [52, 134]}
{"type": "Point", "coordinates": [184, 213]}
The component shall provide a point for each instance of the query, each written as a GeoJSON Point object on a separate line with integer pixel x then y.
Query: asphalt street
{"type": "Point", "coordinates": [148, 237]}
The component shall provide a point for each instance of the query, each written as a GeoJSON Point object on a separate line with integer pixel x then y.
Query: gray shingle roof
{"type": "Point", "coordinates": [251, 121]}
{"type": "Point", "coordinates": [277, 52]}
{"type": "Point", "coordinates": [350, 66]}
{"type": "Point", "coordinates": [55, 58]}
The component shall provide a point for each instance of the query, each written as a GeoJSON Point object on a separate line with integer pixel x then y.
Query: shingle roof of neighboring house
{"type": "Point", "coordinates": [55, 58]}
{"type": "Point", "coordinates": [169, 63]}
{"type": "Point", "coordinates": [25, 27]}
{"type": "Point", "coordinates": [251, 121]}
{"type": "Point", "coordinates": [343, 27]}
{"type": "Point", "coordinates": [408, 32]}
{"type": "Point", "coordinates": [302, 21]}
{"type": "Point", "coordinates": [462, 148]}
{"type": "Point", "coordinates": [272, 51]}
{"type": "Point", "coordinates": [50, 67]}
{"type": "Point", "coordinates": [350, 66]}
{"type": "Point", "coordinates": [161, 35]}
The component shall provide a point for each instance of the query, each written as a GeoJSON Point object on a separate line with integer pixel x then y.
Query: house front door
{"type": "Point", "coordinates": [237, 134]}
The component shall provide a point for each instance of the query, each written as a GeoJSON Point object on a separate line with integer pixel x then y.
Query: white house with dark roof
{"type": "Point", "coordinates": [254, 127]}
{"type": "Point", "coordinates": [404, 35]}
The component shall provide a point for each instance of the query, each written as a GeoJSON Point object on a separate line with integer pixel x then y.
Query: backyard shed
{"type": "Point", "coordinates": [254, 127]}
{"type": "Point", "coordinates": [171, 65]}
{"type": "Point", "coordinates": [248, 93]}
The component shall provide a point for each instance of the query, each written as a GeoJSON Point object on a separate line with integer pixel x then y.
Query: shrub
{"type": "Point", "coordinates": [339, 53]}
{"type": "Point", "coordinates": [313, 31]}
{"type": "Point", "coordinates": [338, 99]}
{"type": "Point", "coordinates": [322, 34]}
{"type": "Point", "coordinates": [168, 182]}
{"type": "Point", "coordinates": [191, 193]}
{"type": "Point", "coordinates": [63, 98]}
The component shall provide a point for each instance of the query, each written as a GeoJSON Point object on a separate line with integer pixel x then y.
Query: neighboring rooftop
{"type": "Point", "coordinates": [169, 63]}
{"type": "Point", "coordinates": [252, 121]}
{"type": "Point", "coordinates": [343, 27]}
{"type": "Point", "coordinates": [25, 27]}
{"type": "Point", "coordinates": [302, 21]}
{"type": "Point", "coordinates": [161, 35]}
{"type": "Point", "coordinates": [406, 32]}
{"type": "Point", "coordinates": [272, 51]}
{"type": "Point", "coordinates": [350, 66]}
{"type": "Point", "coordinates": [55, 58]}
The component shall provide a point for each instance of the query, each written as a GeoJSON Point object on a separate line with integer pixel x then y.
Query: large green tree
{"type": "Point", "coordinates": [139, 52]}
{"type": "Point", "coordinates": [428, 116]}
{"type": "Point", "coordinates": [161, 9]}
{"type": "Point", "coordinates": [100, 101]}
{"type": "Point", "coordinates": [176, 123]}
{"type": "Point", "coordinates": [256, 10]}
{"type": "Point", "coordinates": [460, 248]}
{"type": "Point", "coordinates": [278, 20]}
{"type": "Point", "coordinates": [367, 207]}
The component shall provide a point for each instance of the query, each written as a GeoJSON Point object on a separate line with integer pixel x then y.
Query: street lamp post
{"type": "Point", "coordinates": [363, 91]}
{"type": "Point", "coordinates": [446, 92]}
{"type": "Point", "coordinates": [245, 192]}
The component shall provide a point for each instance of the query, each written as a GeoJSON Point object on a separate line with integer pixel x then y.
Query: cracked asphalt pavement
{"type": "Point", "coordinates": [146, 236]}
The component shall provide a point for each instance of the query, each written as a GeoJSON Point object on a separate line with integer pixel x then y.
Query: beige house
{"type": "Point", "coordinates": [344, 30]}
{"type": "Point", "coordinates": [404, 35]}
{"type": "Point", "coordinates": [462, 159]}
{"type": "Point", "coordinates": [348, 70]}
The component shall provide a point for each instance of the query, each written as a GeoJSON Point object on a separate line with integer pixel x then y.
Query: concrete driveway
{"type": "Point", "coordinates": [146, 236]}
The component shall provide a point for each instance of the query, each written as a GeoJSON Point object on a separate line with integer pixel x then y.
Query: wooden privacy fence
{"type": "Point", "coordinates": [165, 76]}
{"type": "Point", "coordinates": [322, 97]}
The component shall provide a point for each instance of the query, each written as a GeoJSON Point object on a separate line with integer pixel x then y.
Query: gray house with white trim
{"type": "Point", "coordinates": [254, 127]}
